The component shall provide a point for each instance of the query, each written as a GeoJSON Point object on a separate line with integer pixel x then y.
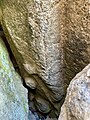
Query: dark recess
{"type": "Point", "coordinates": [2, 35]}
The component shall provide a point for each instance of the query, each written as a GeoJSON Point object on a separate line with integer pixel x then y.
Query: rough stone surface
{"type": "Point", "coordinates": [50, 42]}
{"type": "Point", "coordinates": [77, 102]}
{"type": "Point", "coordinates": [77, 37]}
{"type": "Point", "coordinates": [37, 47]}
{"type": "Point", "coordinates": [13, 96]}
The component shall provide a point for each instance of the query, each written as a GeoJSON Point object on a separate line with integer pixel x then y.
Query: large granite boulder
{"type": "Point", "coordinates": [77, 102]}
{"type": "Point", "coordinates": [50, 42]}
{"type": "Point", "coordinates": [13, 96]}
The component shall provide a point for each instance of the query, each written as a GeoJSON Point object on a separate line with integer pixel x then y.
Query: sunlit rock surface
{"type": "Point", "coordinates": [13, 96]}
{"type": "Point", "coordinates": [50, 42]}
{"type": "Point", "coordinates": [77, 102]}
{"type": "Point", "coordinates": [37, 48]}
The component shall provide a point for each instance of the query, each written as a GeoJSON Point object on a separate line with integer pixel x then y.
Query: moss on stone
{"type": "Point", "coordinates": [12, 92]}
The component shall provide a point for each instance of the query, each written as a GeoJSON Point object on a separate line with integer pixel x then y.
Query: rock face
{"type": "Point", "coordinates": [77, 37]}
{"type": "Point", "coordinates": [50, 42]}
{"type": "Point", "coordinates": [13, 96]}
{"type": "Point", "coordinates": [37, 48]}
{"type": "Point", "coordinates": [77, 102]}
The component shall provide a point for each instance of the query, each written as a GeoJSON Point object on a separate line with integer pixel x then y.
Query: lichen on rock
{"type": "Point", "coordinates": [50, 42]}
{"type": "Point", "coordinates": [35, 45]}
{"type": "Point", "coordinates": [13, 96]}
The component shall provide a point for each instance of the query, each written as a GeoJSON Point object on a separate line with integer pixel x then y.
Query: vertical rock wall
{"type": "Point", "coordinates": [50, 42]}
{"type": "Point", "coordinates": [37, 47]}
{"type": "Point", "coordinates": [77, 47]}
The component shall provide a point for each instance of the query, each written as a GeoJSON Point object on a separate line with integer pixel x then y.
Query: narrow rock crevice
{"type": "Point", "coordinates": [12, 58]}
{"type": "Point", "coordinates": [16, 67]}
{"type": "Point", "coordinates": [13, 96]}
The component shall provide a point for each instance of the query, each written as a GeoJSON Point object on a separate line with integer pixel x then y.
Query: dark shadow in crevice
{"type": "Point", "coordinates": [12, 58]}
